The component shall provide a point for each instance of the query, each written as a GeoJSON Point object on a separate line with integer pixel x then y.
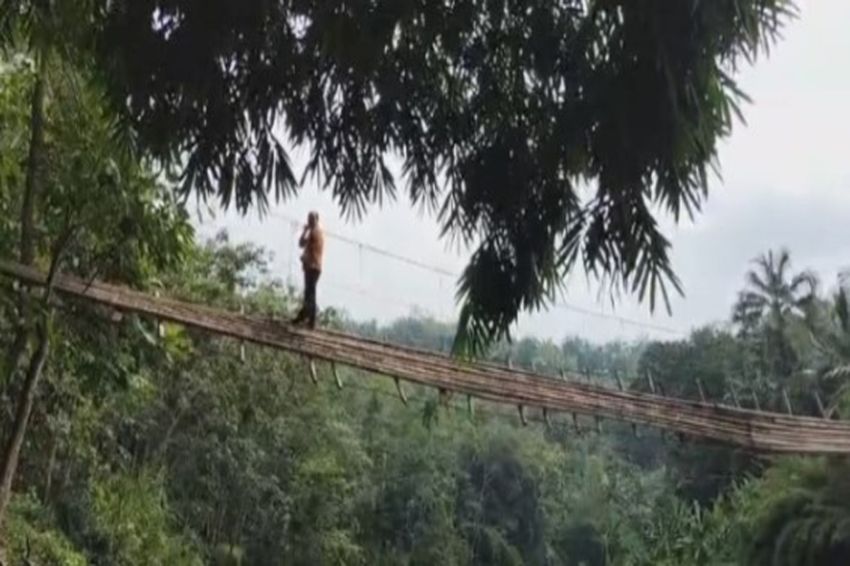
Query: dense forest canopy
{"type": "Point", "coordinates": [128, 441]}
{"type": "Point", "coordinates": [166, 448]}
{"type": "Point", "coordinates": [499, 112]}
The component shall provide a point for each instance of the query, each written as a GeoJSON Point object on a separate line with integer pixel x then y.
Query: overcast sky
{"type": "Point", "coordinates": [785, 183]}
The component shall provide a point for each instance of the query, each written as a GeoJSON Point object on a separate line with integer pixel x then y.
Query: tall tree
{"type": "Point", "coordinates": [43, 32]}
{"type": "Point", "coordinates": [830, 334]}
{"type": "Point", "coordinates": [29, 325]}
{"type": "Point", "coordinates": [103, 209]}
{"type": "Point", "coordinates": [765, 308]}
{"type": "Point", "coordinates": [803, 515]}
{"type": "Point", "coordinates": [498, 111]}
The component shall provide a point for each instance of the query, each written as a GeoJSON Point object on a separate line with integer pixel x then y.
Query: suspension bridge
{"type": "Point", "coordinates": [755, 430]}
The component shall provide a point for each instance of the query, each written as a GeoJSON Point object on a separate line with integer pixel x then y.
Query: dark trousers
{"type": "Point", "coordinates": [309, 309]}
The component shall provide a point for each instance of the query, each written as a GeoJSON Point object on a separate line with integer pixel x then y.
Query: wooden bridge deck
{"type": "Point", "coordinates": [754, 430]}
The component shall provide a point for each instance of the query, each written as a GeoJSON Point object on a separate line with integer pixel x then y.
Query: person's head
{"type": "Point", "coordinates": [312, 219]}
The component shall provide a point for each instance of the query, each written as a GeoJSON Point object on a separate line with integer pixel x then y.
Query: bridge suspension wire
{"type": "Point", "coordinates": [444, 272]}
{"type": "Point", "coordinates": [750, 429]}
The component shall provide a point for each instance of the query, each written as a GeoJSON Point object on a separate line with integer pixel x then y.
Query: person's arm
{"type": "Point", "coordinates": [305, 237]}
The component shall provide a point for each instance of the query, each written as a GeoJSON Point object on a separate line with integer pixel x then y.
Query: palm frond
{"type": "Point", "coordinates": [842, 310]}
{"type": "Point", "coordinates": [839, 372]}
{"type": "Point", "coordinates": [844, 279]}
{"type": "Point", "coordinates": [805, 281]}
{"type": "Point", "coordinates": [756, 281]}
{"type": "Point", "coordinates": [782, 263]}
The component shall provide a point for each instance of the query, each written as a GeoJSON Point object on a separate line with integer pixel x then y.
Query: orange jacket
{"type": "Point", "coordinates": [313, 242]}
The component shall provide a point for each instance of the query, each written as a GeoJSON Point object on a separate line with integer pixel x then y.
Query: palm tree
{"type": "Point", "coordinates": [830, 335]}
{"type": "Point", "coordinates": [773, 297]}
{"type": "Point", "coordinates": [805, 518]}
{"type": "Point", "coordinates": [805, 511]}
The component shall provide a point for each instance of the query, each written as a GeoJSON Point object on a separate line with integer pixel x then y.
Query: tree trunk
{"type": "Point", "coordinates": [66, 476]}
{"type": "Point", "coordinates": [218, 525]}
{"type": "Point", "coordinates": [32, 194]}
{"type": "Point", "coordinates": [51, 464]}
{"type": "Point", "coordinates": [235, 532]}
{"type": "Point", "coordinates": [28, 236]}
{"type": "Point", "coordinates": [26, 398]}
{"type": "Point", "coordinates": [159, 453]}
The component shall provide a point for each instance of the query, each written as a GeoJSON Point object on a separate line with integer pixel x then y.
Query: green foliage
{"type": "Point", "coordinates": [795, 515]}
{"type": "Point", "coordinates": [829, 325]}
{"type": "Point", "coordinates": [803, 515]}
{"type": "Point", "coordinates": [15, 85]}
{"type": "Point", "coordinates": [690, 534]}
{"type": "Point", "coordinates": [95, 190]}
{"type": "Point", "coordinates": [47, 28]}
{"type": "Point", "coordinates": [106, 213]}
{"type": "Point", "coordinates": [258, 465]}
{"type": "Point", "coordinates": [130, 517]}
{"type": "Point", "coordinates": [714, 360]}
{"type": "Point", "coordinates": [724, 504]}
{"type": "Point", "coordinates": [31, 535]}
{"type": "Point", "coordinates": [163, 445]}
{"type": "Point", "coordinates": [121, 221]}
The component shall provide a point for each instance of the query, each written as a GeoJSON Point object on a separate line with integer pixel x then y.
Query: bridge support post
{"type": "Point", "coordinates": [819, 402]}
{"type": "Point", "coordinates": [621, 388]}
{"type": "Point", "coordinates": [160, 330]}
{"type": "Point", "coordinates": [337, 379]}
{"type": "Point", "coordinates": [650, 382]}
{"type": "Point", "coordinates": [242, 354]}
{"type": "Point", "coordinates": [787, 401]}
{"type": "Point", "coordinates": [701, 390]}
{"type": "Point", "coordinates": [314, 376]}
{"type": "Point", "coordinates": [734, 395]}
{"type": "Point", "coordinates": [756, 402]}
{"type": "Point", "coordinates": [400, 390]}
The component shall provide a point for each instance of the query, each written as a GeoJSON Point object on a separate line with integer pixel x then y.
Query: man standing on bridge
{"type": "Point", "coordinates": [312, 241]}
